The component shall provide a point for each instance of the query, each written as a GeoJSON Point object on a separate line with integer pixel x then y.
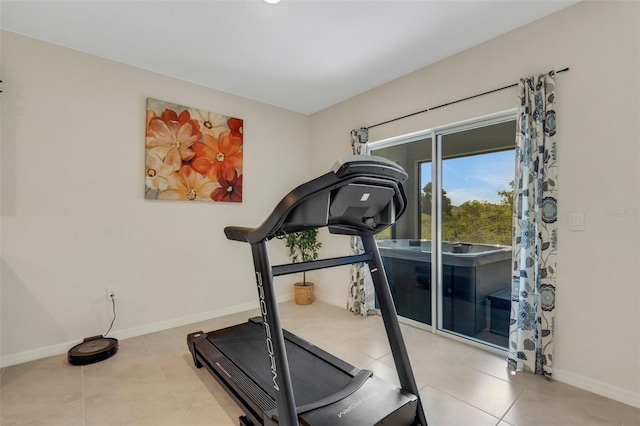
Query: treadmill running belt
{"type": "Point", "coordinates": [312, 377]}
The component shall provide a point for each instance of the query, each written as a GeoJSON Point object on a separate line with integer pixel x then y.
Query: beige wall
{"type": "Point", "coordinates": [598, 104]}
{"type": "Point", "coordinates": [74, 218]}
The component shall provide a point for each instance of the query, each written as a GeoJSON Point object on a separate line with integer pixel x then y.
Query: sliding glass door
{"type": "Point", "coordinates": [476, 216]}
{"type": "Point", "coordinates": [408, 271]}
{"type": "Point", "coordinates": [448, 258]}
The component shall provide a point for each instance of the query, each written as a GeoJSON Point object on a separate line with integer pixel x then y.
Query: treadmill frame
{"type": "Point", "coordinates": [361, 171]}
{"type": "Point", "coordinates": [285, 402]}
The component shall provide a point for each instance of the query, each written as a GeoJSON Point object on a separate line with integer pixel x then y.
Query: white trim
{"type": "Point", "coordinates": [330, 300]}
{"type": "Point", "coordinates": [474, 123]}
{"type": "Point", "coordinates": [436, 233]}
{"type": "Point", "coordinates": [400, 140]}
{"type": "Point", "coordinates": [458, 126]}
{"type": "Point", "coordinates": [61, 348]}
{"type": "Point", "coordinates": [34, 354]}
{"type": "Point", "coordinates": [604, 389]}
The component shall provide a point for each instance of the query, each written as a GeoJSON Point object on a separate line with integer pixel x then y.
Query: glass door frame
{"type": "Point", "coordinates": [436, 134]}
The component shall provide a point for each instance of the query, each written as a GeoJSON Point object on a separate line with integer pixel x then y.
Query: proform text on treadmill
{"type": "Point", "coordinates": [356, 405]}
{"type": "Point", "coordinates": [267, 330]}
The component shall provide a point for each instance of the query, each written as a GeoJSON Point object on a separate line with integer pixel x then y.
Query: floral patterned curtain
{"type": "Point", "coordinates": [535, 229]}
{"type": "Point", "coordinates": [361, 297]}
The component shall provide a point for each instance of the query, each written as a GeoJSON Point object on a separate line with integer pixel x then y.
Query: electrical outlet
{"type": "Point", "coordinates": [112, 293]}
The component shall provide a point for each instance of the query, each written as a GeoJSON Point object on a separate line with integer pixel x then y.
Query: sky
{"type": "Point", "coordinates": [477, 177]}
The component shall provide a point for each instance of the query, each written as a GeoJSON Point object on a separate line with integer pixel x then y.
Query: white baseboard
{"type": "Point", "coordinates": [329, 300]}
{"type": "Point", "coordinates": [34, 354]}
{"type": "Point", "coordinates": [604, 389]}
{"type": "Point", "coordinates": [62, 348]}
{"type": "Point", "coordinates": [178, 322]}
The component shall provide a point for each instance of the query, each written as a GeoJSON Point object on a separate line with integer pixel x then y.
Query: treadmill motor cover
{"type": "Point", "coordinates": [375, 403]}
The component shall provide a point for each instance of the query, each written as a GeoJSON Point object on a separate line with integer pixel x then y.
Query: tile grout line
{"type": "Point", "coordinates": [525, 387]}
{"type": "Point", "coordinates": [457, 364]}
{"type": "Point", "coordinates": [490, 374]}
{"type": "Point", "coordinates": [173, 392]}
{"type": "Point", "coordinates": [84, 414]}
{"type": "Point", "coordinates": [627, 415]}
{"type": "Point", "coordinates": [463, 401]}
{"type": "Point", "coordinates": [460, 363]}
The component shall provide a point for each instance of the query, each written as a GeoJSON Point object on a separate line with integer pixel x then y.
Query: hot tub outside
{"type": "Point", "coordinates": [471, 272]}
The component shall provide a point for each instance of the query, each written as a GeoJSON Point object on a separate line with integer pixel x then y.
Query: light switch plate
{"type": "Point", "coordinates": [576, 221]}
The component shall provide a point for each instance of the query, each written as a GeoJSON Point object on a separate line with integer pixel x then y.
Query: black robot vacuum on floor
{"type": "Point", "coordinates": [92, 349]}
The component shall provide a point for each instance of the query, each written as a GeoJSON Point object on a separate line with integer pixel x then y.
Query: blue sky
{"type": "Point", "coordinates": [477, 177]}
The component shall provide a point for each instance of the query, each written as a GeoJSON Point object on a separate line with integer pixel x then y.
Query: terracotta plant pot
{"type": "Point", "coordinates": [303, 293]}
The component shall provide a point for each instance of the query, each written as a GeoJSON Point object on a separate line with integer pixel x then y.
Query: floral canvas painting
{"type": "Point", "coordinates": [191, 154]}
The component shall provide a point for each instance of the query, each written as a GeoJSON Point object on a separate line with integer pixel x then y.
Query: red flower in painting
{"type": "Point", "coordinates": [217, 158]}
{"type": "Point", "coordinates": [230, 190]}
{"type": "Point", "coordinates": [235, 124]}
{"type": "Point", "coordinates": [150, 116]}
{"type": "Point", "coordinates": [184, 117]}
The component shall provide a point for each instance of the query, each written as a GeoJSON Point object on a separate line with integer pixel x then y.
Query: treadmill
{"type": "Point", "coordinates": [278, 378]}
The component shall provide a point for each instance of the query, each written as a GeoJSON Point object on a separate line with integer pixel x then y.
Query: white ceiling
{"type": "Point", "coordinates": [300, 55]}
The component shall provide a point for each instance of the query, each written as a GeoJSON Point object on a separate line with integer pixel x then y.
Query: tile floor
{"type": "Point", "coordinates": [152, 380]}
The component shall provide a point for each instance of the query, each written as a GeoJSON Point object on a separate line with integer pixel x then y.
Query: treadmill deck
{"type": "Point", "coordinates": [312, 376]}
{"type": "Point", "coordinates": [237, 357]}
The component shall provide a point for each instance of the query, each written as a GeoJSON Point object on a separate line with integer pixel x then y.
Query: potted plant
{"type": "Point", "coordinates": [303, 246]}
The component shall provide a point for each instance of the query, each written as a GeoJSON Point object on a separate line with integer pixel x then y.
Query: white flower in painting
{"type": "Point", "coordinates": [210, 123]}
{"type": "Point", "coordinates": [157, 173]}
{"type": "Point", "coordinates": [171, 141]}
{"type": "Point", "coordinates": [187, 184]}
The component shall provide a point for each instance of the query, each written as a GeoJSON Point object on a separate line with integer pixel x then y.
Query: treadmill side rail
{"type": "Point", "coordinates": [192, 340]}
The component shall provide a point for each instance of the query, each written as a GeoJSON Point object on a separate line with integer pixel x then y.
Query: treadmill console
{"type": "Point", "coordinates": [362, 194]}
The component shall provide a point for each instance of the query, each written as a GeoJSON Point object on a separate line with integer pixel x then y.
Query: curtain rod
{"type": "Point", "coordinates": [455, 102]}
